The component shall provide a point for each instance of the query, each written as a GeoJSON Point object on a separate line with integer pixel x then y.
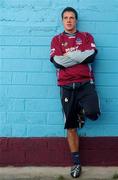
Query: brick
{"type": "Point", "coordinates": [30, 91]}
{"type": "Point", "coordinates": [92, 15]}
{"type": "Point", "coordinates": [88, 130]}
{"type": "Point", "coordinates": [23, 92]}
{"type": "Point", "coordinates": [16, 143]}
{"type": "Point", "coordinates": [22, 4]}
{"type": "Point", "coordinates": [64, 3]}
{"type": "Point", "coordinates": [108, 120]}
{"type": "Point", "coordinates": [105, 53]}
{"type": "Point", "coordinates": [12, 157]}
{"type": "Point", "coordinates": [7, 104]}
{"type": "Point", "coordinates": [15, 41]}
{"type": "Point", "coordinates": [86, 25]}
{"type": "Point", "coordinates": [44, 30]}
{"type": "Point", "coordinates": [19, 78]}
{"type": "Point", "coordinates": [49, 15]}
{"type": "Point", "coordinates": [109, 104]}
{"type": "Point", "coordinates": [48, 67]}
{"type": "Point", "coordinates": [98, 5]}
{"type": "Point", "coordinates": [43, 105]}
{"type": "Point", "coordinates": [111, 130]}
{"type": "Point", "coordinates": [103, 79]}
{"type": "Point", "coordinates": [40, 41]}
{"type": "Point", "coordinates": [19, 130]}
{"type": "Point", "coordinates": [42, 151]}
{"type": "Point", "coordinates": [29, 96]}
{"type": "Point", "coordinates": [102, 67]}
{"type": "Point", "coordinates": [8, 30]}
{"type": "Point", "coordinates": [4, 103]}
{"type": "Point", "coordinates": [99, 27]}
{"type": "Point", "coordinates": [5, 78]}
{"type": "Point", "coordinates": [16, 118]}
{"type": "Point", "coordinates": [3, 117]}
{"type": "Point", "coordinates": [41, 78]}
{"type": "Point", "coordinates": [26, 118]}
{"type": "Point", "coordinates": [40, 52]}
{"type": "Point", "coordinates": [3, 144]}
{"type": "Point", "coordinates": [36, 118]}
{"type": "Point", "coordinates": [106, 40]}
{"type": "Point", "coordinates": [3, 93]}
{"type": "Point", "coordinates": [55, 118]}
{"type": "Point", "coordinates": [24, 41]}
{"type": "Point", "coordinates": [106, 28]}
{"type": "Point", "coordinates": [22, 65]}
{"type": "Point", "coordinates": [36, 130]}
{"type": "Point", "coordinates": [36, 143]}
{"type": "Point", "coordinates": [14, 15]}
{"type": "Point", "coordinates": [105, 93]}
{"type": "Point", "coordinates": [5, 130]}
{"type": "Point", "coordinates": [15, 105]}
{"type": "Point", "coordinates": [33, 157]}
{"type": "Point", "coordinates": [25, 30]}
{"type": "Point", "coordinates": [14, 52]}
{"type": "Point", "coordinates": [55, 130]}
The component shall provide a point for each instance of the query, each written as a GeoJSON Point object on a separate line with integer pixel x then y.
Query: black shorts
{"type": "Point", "coordinates": [76, 96]}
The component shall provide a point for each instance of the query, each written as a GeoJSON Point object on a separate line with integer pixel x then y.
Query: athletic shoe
{"type": "Point", "coordinates": [81, 119]}
{"type": "Point", "coordinates": [75, 171]}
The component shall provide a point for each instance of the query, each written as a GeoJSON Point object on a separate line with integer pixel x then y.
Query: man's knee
{"type": "Point", "coordinates": [71, 131]}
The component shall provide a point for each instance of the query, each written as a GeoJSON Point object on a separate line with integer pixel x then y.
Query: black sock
{"type": "Point", "coordinates": [75, 158]}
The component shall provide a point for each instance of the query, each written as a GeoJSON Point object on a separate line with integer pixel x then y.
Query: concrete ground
{"type": "Point", "coordinates": [57, 173]}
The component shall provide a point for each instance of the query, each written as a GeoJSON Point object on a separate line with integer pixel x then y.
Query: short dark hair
{"type": "Point", "coordinates": [70, 9]}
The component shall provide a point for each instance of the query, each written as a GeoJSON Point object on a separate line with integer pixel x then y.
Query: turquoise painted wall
{"type": "Point", "coordinates": [29, 97]}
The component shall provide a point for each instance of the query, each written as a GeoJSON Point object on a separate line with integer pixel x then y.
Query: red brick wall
{"type": "Point", "coordinates": [55, 151]}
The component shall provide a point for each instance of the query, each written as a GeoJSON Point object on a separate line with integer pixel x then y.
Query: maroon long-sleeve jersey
{"type": "Point", "coordinates": [64, 43]}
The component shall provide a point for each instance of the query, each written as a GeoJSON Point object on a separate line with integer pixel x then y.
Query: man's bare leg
{"type": "Point", "coordinates": [73, 140]}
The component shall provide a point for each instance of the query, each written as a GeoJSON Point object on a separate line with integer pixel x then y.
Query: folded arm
{"type": "Point", "coordinates": [73, 58]}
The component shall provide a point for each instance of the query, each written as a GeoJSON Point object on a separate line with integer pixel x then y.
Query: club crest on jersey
{"type": "Point", "coordinates": [78, 41]}
{"type": "Point", "coordinates": [64, 44]}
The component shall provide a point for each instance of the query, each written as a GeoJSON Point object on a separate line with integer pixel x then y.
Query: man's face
{"type": "Point", "coordinates": [69, 22]}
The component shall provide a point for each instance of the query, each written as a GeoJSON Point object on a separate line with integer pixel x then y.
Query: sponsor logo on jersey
{"type": "Point", "coordinates": [72, 49]}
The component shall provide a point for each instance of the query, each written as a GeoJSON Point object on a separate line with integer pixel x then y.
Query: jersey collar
{"type": "Point", "coordinates": [68, 34]}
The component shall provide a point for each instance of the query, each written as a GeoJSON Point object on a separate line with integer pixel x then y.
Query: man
{"type": "Point", "coordinates": [72, 53]}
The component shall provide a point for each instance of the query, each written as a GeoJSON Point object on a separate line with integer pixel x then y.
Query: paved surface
{"type": "Point", "coordinates": [57, 173]}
